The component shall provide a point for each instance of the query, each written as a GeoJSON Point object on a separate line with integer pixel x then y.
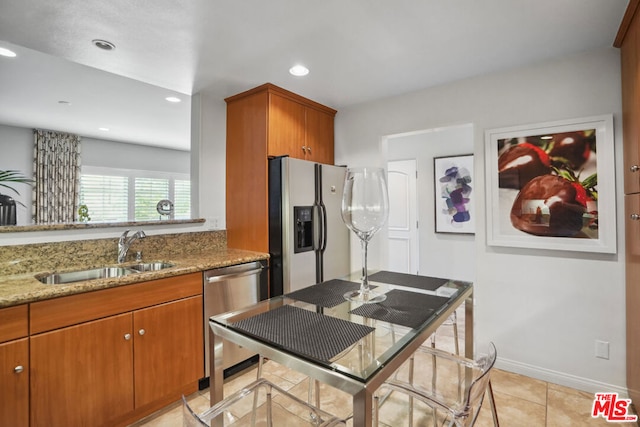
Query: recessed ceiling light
{"type": "Point", "coordinates": [173, 99]}
{"type": "Point", "coordinates": [104, 129]}
{"type": "Point", "coordinates": [6, 52]}
{"type": "Point", "coordinates": [103, 44]}
{"type": "Point", "coordinates": [299, 70]}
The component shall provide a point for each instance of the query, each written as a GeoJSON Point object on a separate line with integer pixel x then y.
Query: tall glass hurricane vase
{"type": "Point", "coordinates": [365, 209]}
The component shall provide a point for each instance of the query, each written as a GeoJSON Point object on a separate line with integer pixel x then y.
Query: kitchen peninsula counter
{"type": "Point", "coordinates": [199, 252]}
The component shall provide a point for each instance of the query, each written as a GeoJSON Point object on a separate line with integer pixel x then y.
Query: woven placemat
{"type": "Point", "coordinates": [405, 308]}
{"type": "Point", "coordinates": [326, 294]}
{"type": "Point", "coordinates": [411, 280]}
{"type": "Point", "coordinates": [304, 332]}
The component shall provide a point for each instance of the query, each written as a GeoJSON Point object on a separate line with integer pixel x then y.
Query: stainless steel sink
{"type": "Point", "coordinates": [82, 275]}
{"type": "Point", "coordinates": [151, 266]}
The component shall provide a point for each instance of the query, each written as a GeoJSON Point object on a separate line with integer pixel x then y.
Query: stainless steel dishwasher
{"type": "Point", "coordinates": [227, 289]}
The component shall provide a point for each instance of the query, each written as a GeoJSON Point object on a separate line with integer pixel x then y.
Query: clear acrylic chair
{"type": "Point", "coordinates": [448, 399]}
{"type": "Point", "coordinates": [261, 403]}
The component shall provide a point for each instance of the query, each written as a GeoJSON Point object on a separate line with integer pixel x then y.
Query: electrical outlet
{"type": "Point", "coordinates": [214, 223]}
{"type": "Point", "coordinates": [602, 349]}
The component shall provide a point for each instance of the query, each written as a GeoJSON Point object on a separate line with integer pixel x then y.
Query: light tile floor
{"type": "Point", "coordinates": [521, 401]}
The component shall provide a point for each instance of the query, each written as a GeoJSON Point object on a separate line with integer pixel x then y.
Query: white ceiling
{"type": "Point", "coordinates": [357, 51]}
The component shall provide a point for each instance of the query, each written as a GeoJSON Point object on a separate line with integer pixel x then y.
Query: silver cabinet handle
{"type": "Point", "coordinates": [634, 217]}
{"type": "Point", "coordinates": [634, 168]}
{"type": "Point", "coordinates": [127, 337]}
{"type": "Point", "coordinates": [141, 332]}
{"type": "Point", "coordinates": [18, 369]}
{"type": "Point", "coordinates": [309, 150]}
{"type": "Point", "coordinates": [221, 277]}
{"type": "Point", "coordinates": [304, 148]}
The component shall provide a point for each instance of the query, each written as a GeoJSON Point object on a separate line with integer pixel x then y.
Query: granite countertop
{"type": "Point", "coordinates": [23, 288]}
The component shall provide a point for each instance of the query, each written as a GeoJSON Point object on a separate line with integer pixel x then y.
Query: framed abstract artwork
{"type": "Point", "coordinates": [552, 185]}
{"type": "Point", "coordinates": [454, 197]}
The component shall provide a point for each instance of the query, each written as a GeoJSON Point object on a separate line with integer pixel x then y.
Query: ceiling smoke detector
{"type": "Point", "coordinates": [103, 44]}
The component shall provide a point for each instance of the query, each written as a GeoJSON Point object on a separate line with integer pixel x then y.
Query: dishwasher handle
{"type": "Point", "coordinates": [212, 279]}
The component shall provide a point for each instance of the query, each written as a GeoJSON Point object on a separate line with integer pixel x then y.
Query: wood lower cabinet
{"type": "Point", "coordinates": [264, 122]}
{"type": "Point", "coordinates": [82, 375]}
{"type": "Point", "coordinates": [14, 383]}
{"type": "Point", "coordinates": [144, 352]}
{"type": "Point", "coordinates": [14, 366]}
{"type": "Point", "coordinates": [632, 297]}
{"type": "Point", "coordinates": [164, 339]}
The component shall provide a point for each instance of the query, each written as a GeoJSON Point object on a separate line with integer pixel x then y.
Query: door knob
{"type": "Point", "coordinates": [634, 168]}
{"type": "Point", "coordinates": [18, 369]}
{"type": "Point", "coordinates": [141, 332]}
{"type": "Point", "coordinates": [127, 337]}
{"type": "Point", "coordinates": [634, 217]}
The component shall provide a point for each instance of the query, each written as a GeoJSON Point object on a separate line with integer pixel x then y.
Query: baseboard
{"type": "Point", "coordinates": [560, 378]}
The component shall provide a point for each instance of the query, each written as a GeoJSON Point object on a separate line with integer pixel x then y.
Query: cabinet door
{"type": "Point", "coordinates": [82, 375]}
{"type": "Point", "coordinates": [632, 227]}
{"type": "Point", "coordinates": [319, 136]}
{"type": "Point", "coordinates": [286, 127]}
{"type": "Point", "coordinates": [14, 383]}
{"type": "Point", "coordinates": [630, 74]}
{"type": "Point", "coordinates": [169, 349]}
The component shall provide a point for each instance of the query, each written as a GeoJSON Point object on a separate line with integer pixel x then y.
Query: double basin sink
{"type": "Point", "coordinates": [101, 273]}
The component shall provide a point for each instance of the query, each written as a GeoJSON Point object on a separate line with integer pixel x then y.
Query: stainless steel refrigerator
{"type": "Point", "coordinates": [308, 241]}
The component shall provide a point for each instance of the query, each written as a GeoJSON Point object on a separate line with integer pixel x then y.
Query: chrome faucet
{"type": "Point", "coordinates": [124, 243]}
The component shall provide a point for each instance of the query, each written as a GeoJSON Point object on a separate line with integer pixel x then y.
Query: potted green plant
{"type": "Point", "coordinates": [7, 204]}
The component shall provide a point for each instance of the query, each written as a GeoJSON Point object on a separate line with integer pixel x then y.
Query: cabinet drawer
{"type": "Point", "coordinates": [14, 322]}
{"type": "Point", "coordinates": [74, 309]}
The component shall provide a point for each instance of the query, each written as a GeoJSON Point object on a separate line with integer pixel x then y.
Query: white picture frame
{"type": "Point", "coordinates": [454, 205]}
{"type": "Point", "coordinates": [504, 228]}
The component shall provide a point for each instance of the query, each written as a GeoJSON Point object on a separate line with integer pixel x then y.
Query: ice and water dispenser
{"type": "Point", "coordinates": [303, 223]}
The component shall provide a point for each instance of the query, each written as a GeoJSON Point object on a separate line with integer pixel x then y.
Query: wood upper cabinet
{"type": "Point", "coordinates": [299, 130]}
{"type": "Point", "coordinates": [630, 69]}
{"type": "Point", "coordinates": [628, 40]}
{"type": "Point", "coordinates": [319, 136]}
{"type": "Point", "coordinates": [14, 367]}
{"type": "Point", "coordinates": [262, 122]}
{"type": "Point", "coordinates": [286, 131]}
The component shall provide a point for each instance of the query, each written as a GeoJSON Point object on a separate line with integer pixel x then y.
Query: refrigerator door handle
{"type": "Point", "coordinates": [319, 220]}
{"type": "Point", "coordinates": [323, 210]}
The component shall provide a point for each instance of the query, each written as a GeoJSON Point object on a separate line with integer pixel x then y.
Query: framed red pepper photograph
{"type": "Point", "coordinates": [552, 185]}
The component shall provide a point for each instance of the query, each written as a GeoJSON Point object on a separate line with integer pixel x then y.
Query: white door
{"type": "Point", "coordinates": [403, 216]}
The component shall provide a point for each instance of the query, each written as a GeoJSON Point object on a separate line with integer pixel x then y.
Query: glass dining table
{"type": "Point", "coordinates": [351, 346]}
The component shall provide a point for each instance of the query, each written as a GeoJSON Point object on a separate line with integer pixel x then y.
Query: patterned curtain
{"type": "Point", "coordinates": [56, 171]}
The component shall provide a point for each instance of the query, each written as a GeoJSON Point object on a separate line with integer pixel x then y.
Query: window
{"type": "Point", "coordinates": [117, 195]}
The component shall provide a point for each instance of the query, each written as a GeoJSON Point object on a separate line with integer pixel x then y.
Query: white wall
{"type": "Point", "coordinates": [441, 254]}
{"type": "Point", "coordinates": [543, 309]}
{"type": "Point", "coordinates": [211, 113]}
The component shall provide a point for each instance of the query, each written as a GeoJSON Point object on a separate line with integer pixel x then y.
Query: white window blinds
{"type": "Point", "coordinates": [117, 195]}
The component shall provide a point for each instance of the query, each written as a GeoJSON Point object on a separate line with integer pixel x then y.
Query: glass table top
{"type": "Point", "coordinates": [318, 325]}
